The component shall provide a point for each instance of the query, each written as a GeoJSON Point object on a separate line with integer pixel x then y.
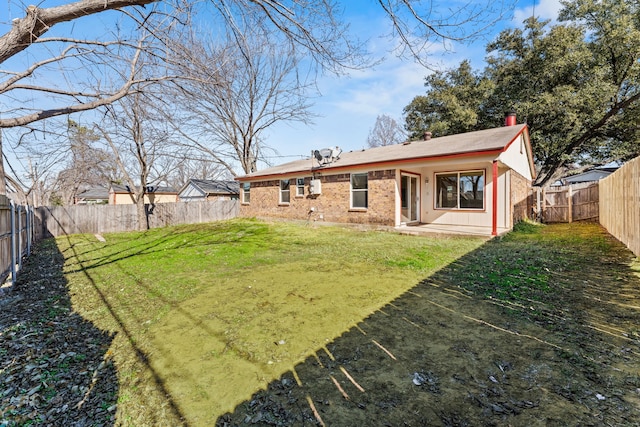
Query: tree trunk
{"type": "Point", "coordinates": [143, 220]}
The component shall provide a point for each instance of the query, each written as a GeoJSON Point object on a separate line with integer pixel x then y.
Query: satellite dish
{"type": "Point", "coordinates": [327, 156]}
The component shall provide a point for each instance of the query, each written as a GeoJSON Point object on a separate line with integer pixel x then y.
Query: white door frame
{"type": "Point", "coordinates": [413, 201]}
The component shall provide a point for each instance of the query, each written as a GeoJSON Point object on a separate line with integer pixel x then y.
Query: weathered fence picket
{"type": "Point", "coordinates": [16, 237]}
{"type": "Point", "coordinates": [63, 220]}
{"type": "Point", "coordinates": [576, 202]}
{"type": "Point", "coordinates": [620, 204]}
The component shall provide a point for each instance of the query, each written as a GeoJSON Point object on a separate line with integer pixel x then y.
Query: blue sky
{"type": "Point", "coordinates": [347, 106]}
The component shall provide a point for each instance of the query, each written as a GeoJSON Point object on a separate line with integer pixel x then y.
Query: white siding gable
{"type": "Point", "coordinates": [191, 192]}
{"type": "Point", "coordinates": [516, 157]}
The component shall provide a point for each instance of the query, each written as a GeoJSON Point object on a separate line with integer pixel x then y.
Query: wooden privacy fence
{"type": "Point", "coordinates": [620, 204]}
{"type": "Point", "coordinates": [568, 203]}
{"type": "Point", "coordinates": [61, 220]}
{"type": "Point", "coordinates": [16, 237]}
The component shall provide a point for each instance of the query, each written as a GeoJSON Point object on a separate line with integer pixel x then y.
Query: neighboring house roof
{"type": "Point", "coordinates": [209, 187]}
{"type": "Point", "coordinates": [155, 189]}
{"type": "Point", "coordinates": [588, 176]}
{"type": "Point", "coordinates": [95, 193]}
{"type": "Point", "coordinates": [483, 142]}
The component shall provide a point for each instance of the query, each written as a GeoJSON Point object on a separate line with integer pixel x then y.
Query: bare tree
{"type": "Point", "coordinates": [236, 91]}
{"type": "Point", "coordinates": [44, 82]}
{"type": "Point", "coordinates": [386, 131]}
{"type": "Point", "coordinates": [86, 165]}
{"type": "Point", "coordinates": [37, 190]}
{"type": "Point", "coordinates": [111, 64]}
{"type": "Point", "coordinates": [138, 140]}
{"type": "Point", "coordinates": [197, 168]}
{"type": "Point", "coordinates": [418, 24]}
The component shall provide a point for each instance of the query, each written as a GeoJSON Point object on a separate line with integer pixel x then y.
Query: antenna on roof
{"type": "Point", "coordinates": [326, 156]}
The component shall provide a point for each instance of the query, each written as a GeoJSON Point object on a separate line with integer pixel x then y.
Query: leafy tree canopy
{"type": "Point", "coordinates": [576, 85]}
{"type": "Point", "coordinates": [452, 105]}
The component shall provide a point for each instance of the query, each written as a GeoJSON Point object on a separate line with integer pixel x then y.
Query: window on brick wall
{"type": "Point", "coordinates": [460, 190]}
{"type": "Point", "coordinates": [359, 191]}
{"type": "Point", "coordinates": [246, 192]}
{"type": "Point", "coordinates": [299, 187]}
{"type": "Point", "coordinates": [285, 192]}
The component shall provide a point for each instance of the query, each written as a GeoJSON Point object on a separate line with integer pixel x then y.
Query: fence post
{"type": "Point", "coordinates": [29, 220]}
{"type": "Point", "coordinates": [570, 202]}
{"type": "Point", "coordinates": [544, 206]}
{"type": "Point", "coordinates": [19, 259]}
{"type": "Point", "coordinates": [13, 243]}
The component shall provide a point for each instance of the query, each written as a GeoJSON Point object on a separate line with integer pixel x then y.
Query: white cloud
{"type": "Point", "coordinates": [545, 9]}
{"type": "Point", "coordinates": [348, 106]}
{"type": "Point", "coordinates": [385, 90]}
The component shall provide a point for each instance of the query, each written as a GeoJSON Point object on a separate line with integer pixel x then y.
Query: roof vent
{"type": "Point", "coordinates": [427, 136]}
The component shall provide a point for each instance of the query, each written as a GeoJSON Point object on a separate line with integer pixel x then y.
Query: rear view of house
{"type": "Point", "coordinates": [477, 179]}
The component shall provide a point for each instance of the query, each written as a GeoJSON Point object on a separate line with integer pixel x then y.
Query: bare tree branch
{"type": "Point", "coordinates": [111, 69]}
{"type": "Point", "coordinates": [236, 92]}
{"type": "Point", "coordinates": [386, 131]}
{"type": "Point", "coordinates": [133, 82]}
{"type": "Point", "coordinates": [37, 21]}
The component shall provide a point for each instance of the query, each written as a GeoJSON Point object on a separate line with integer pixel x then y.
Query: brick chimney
{"type": "Point", "coordinates": [510, 118]}
{"type": "Point", "coordinates": [427, 136]}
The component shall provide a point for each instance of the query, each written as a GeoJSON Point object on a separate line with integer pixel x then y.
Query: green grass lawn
{"type": "Point", "coordinates": [245, 322]}
{"type": "Point", "coordinates": [209, 314]}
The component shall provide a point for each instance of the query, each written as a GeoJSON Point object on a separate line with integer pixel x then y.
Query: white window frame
{"type": "Point", "coordinates": [299, 187]}
{"type": "Point", "coordinates": [246, 193]}
{"type": "Point", "coordinates": [354, 191]}
{"type": "Point", "coordinates": [458, 174]}
{"type": "Point", "coordinates": [284, 192]}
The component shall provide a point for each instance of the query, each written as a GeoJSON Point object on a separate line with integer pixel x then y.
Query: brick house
{"type": "Point", "coordinates": [475, 180]}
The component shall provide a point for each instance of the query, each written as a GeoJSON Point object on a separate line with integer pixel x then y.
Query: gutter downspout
{"type": "Point", "coordinates": [494, 201]}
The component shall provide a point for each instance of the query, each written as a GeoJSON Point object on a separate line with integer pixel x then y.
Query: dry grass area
{"type": "Point", "coordinates": [250, 323]}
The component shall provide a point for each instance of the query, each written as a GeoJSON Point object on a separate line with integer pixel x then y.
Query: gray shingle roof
{"type": "Point", "coordinates": [483, 141]}
{"type": "Point", "coordinates": [95, 193]}
{"type": "Point", "coordinates": [209, 186]}
{"type": "Point", "coordinates": [588, 176]}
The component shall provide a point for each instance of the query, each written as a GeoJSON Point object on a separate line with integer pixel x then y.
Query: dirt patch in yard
{"type": "Point", "coordinates": [55, 366]}
{"type": "Point", "coordinates": [537, 328]}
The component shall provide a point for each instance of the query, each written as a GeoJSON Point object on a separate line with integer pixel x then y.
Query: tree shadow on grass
{"type": "Point", "coordinates": [55, 366]}
{"type": "Point", "coordinates": [155, 406]}
{"type": "Point", "coordinates": [149, 402]}
{"type": "Point", "coordinates": [527, 330]}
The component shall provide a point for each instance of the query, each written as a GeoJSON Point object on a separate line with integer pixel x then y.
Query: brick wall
{"type": "Point", "coordinates": [520, 197]}
{"type": "Point", "coordinates": [333, 205]}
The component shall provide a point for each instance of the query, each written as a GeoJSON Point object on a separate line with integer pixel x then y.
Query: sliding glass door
{"type": "Point", "coordinates": [410, 198]}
